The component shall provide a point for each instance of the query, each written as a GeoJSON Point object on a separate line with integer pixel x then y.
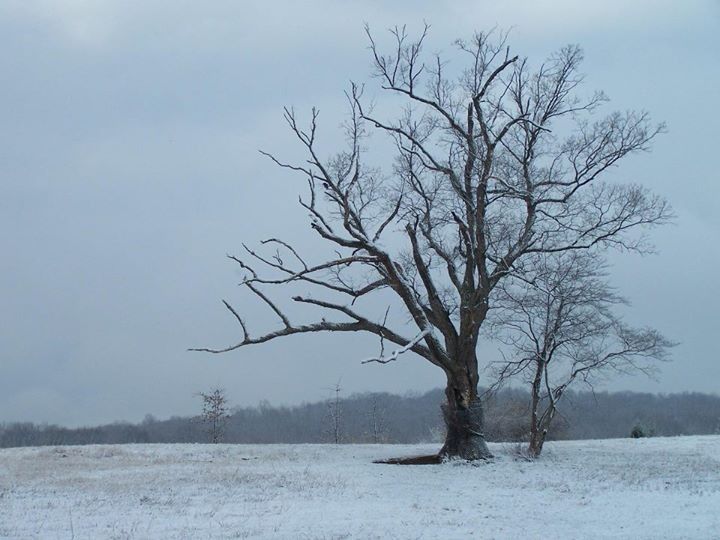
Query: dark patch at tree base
{"type": "Point", "coordinates": [433, 459]}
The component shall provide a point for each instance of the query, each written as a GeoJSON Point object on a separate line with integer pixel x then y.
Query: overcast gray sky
{"type": "Point", "coordinates": [129, 168]}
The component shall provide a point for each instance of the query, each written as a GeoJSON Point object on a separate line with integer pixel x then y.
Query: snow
{"type": "Point", "coordinates": [397, 352]}
{"type": "Point", "coordinates": [624, 488]}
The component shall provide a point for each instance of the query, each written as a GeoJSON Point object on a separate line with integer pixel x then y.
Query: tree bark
{"type": "Point", "coordinates": [537, 434]}
{"type": "Point", "coordinates": [465, 422]}
{"type": "Point", "coordinates": [537, 439]}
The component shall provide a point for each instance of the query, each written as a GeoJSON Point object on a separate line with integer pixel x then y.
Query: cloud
{"type": "Point", "coordinates": [81, 22]}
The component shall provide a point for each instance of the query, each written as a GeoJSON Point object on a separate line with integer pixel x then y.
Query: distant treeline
{"type": "Point", "coordinates": [387, 418]}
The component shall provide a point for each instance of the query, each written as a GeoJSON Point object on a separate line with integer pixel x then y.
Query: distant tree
{"type": "Point", "coordinates": [639, 431]}
{"type": "Point", "coordinates": [376, 419]}
{"type": "Point", "coordinates": [334, 415]}
{"type": "Point", "coordinates": [496, 161]}
{"type": "Point", "coordinates": [558, 324]}
{"type": "Point", "coordinates": [508, 419]}
{"type": "Point", "coordinates": [214, 413]}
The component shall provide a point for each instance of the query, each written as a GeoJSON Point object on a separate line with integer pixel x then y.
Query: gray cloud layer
{"type": "Point", "coordinates": [128, 168]}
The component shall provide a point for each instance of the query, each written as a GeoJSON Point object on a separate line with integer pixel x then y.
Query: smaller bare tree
{"type": "Point", "coordinates": [559, 326]}
{"type": "Point", "coordinates": [334, 413]}
{"type": "Point", "coordinates": [214, 413]}
{"type": "Point", "coordinates": [376, 420]}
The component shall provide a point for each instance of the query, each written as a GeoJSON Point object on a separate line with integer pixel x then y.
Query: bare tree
{"type": "Point", "coordinates": [214, 413]}
{"type": "Point", "coordinates": [376, 420]}
{"type": "Point", "coordinates": [494, 163]}
{"type": "Point", "coordinates": [559, 325]}
{"type": "Point", "coordinates": [334, 412]}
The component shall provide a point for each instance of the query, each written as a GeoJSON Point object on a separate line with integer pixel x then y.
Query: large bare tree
{"type": "Point", "coordinates": [560, 326]}
{"type": "Point", "coordinates": [494, 162]}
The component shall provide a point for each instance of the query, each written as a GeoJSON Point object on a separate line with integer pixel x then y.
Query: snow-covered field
{"type": "Point", "coordinates": [648, 488]}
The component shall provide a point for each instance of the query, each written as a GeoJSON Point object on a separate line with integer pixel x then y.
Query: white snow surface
{"type": "Point", "coordinates": [623, 488]}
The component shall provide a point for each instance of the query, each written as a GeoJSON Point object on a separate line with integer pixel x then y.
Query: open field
{"type": "Point", "coordinates": [623, 488]}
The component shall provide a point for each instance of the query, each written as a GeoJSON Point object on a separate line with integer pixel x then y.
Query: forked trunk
{"type": "Point", "coordinates": [465, 423]}
{"type": "Point", "coordinates": [537, 433]}
{"type": "Point", "coordinates": [540, 423]}
{"type": "Point", "coordinates": [537, 439]}
{"type": "Point", "coordinates": [539, 430]}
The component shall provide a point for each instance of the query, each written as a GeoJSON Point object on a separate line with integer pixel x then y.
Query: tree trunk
{"type": "Point", "coordinates": [537, 439]}
{"type": "Point", "coordinates": [465, 423]}
{"type": "Point", "coordinates": [537, 434]}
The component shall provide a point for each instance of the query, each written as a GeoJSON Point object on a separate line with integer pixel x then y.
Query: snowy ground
{"type": "Point", "coordinates": [648, 488]}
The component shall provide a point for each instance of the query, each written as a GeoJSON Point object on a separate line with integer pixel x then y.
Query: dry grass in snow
{"type": "Point", "coordinates": [648, 488]}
